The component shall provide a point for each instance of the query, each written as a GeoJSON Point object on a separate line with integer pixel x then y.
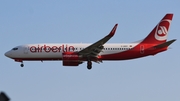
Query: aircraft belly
{"type": "Point", "coordinates": [43, 55]}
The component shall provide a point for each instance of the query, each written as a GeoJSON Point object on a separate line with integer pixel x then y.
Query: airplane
{"type": "Point", "coordinates": [72, 54]}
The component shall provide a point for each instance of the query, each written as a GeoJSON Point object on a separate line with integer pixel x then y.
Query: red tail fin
{"type": "Point", "coordinates": [160, 32]}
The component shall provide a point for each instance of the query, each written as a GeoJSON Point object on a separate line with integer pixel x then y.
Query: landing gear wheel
{"type": "Point", "coordinates": [22, 65]}
{"type": "Point", "coordinates": [89, 65]}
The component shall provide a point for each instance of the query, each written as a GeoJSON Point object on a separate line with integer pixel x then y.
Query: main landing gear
{"type": "Point", "coordinates": [89, 64]}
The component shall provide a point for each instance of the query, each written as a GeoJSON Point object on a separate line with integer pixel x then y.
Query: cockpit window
{"type": "Point", "coordinates": [15, 49]}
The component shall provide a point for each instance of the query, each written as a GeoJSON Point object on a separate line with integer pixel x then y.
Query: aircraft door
{"type": "Point", "coordinates": [142, 49]}
{"type": "Point", "coordinates": [26, 50]}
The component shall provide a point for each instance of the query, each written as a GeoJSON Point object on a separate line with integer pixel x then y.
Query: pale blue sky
{"type": "Point", "coordinates": [153, 78]}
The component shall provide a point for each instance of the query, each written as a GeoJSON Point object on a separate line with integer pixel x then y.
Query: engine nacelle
{"type": "Point", "coordinates": [70, 59]}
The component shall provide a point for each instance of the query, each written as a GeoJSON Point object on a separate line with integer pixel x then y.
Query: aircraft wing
{"type": "Point", "coordinates": [94, 49]}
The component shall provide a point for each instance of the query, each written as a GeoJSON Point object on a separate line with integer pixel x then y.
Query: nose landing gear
{"type": "Point", "coordinates": [19, 60]}
{"type": "Point", "coordinates": [22, 65]}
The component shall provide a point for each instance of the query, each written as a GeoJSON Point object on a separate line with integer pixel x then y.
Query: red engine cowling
{"type": "Point", "coordinates": [70, 59]}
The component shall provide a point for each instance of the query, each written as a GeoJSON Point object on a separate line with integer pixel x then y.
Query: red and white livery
{"type": "Point", "coordinates": [75, 54]}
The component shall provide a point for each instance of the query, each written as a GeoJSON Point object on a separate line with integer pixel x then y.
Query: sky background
{"type": "Point", "coordinates": [153, 78]}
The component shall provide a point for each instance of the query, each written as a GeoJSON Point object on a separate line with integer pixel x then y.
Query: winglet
{"type": "Point", "coordinates": [113, 31]}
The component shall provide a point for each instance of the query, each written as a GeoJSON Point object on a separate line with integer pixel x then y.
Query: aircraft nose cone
{"type": "Point", "coordinates": [7, 54]}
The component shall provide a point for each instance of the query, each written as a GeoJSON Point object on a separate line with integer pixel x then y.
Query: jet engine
{"type": "Point", "coordinates": [70, 59]}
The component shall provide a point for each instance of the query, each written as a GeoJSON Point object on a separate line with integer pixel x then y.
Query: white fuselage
{"type": "Point", "coordinates": [55, 50]}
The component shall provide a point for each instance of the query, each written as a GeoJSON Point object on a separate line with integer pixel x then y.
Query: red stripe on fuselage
{"type": "Point", "coordinates": [141, 50]}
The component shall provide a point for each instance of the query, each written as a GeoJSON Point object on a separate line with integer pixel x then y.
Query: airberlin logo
{"type": "Point", "coordinates": [162, 30]}
{"type": "Point", "coordinates": [54, 49]}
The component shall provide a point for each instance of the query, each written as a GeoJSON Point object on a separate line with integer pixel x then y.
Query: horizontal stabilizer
{"type": "Point", "coordinates": [166, 44]}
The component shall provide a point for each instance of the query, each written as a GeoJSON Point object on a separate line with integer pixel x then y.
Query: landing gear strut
{"type": "Point", "coordinates": [89, 64]}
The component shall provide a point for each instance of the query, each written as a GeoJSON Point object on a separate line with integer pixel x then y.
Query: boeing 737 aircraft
{"type": "Point", "coordinates": [75, 54]}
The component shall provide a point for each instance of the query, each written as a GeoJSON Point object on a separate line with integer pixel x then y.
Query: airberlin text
{"type": "Point", "coordinates": [54, 49]}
